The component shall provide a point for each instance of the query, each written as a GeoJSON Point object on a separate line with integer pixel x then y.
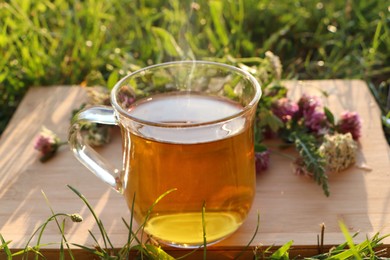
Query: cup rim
{"type": "Point", "coordinates": [246, 74]}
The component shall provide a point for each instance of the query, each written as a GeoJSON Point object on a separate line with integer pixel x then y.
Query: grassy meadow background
{"type": "Point", "coordinates": [95, 42]}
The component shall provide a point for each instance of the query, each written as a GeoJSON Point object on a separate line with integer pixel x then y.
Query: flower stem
{"type": "Point", "coordinates": [292, 158]}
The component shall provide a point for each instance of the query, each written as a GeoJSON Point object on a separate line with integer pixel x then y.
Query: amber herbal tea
{"type": "Point", "coordinates": [209, 165]}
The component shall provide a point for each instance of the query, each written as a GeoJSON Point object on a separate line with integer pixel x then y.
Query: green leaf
{"type": "Point", "coordinates": [329, 116]}
{"type": "Point", "coordinates": [229, 91]}
{"type": "Point", "coordinates": [155, 252]}
{"type": "Point", "coordinates": [260, 148]}
{"type": "Point", "coordinates": [216, 10]}
{"type": "Point", "coordinates": [152, 252]}
{"type": "Point", "coordinates": [386, 120]}
{"type": "Point", "coordinates": [282, 252]}
{"type": "Point", "coordinates": [352, 248]}
{"type": "Point", "coordinates": [169, 43]}
{"type": "Point", "coordinates": [306, 145]}
{"type": "Point", "coordinates": [112, 79]}
{"type": "Point", "coordinates": [5, 247]}
{"type": "Point", "coordinates": [90, 250]}
{"type": "Point", "coordinates": [267, 118]}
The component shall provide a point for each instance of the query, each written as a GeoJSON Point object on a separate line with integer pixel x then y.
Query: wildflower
{"type": "Point", "coordinates": [350, 123]}
{"type": "Point", "coordinates": [261, 161]}
{"type": "Point", "coordinates": [308, 105]}
{"type": "Point", "coordinates": [44, 144]}
{"type": "Point", "coordinates": [339, 151]}
{"type": "Point", "coordinates": [47, 143]}
{"type": "Point", "coordinates": [125, 98]}
{"type": "Point", "coordinates": [314, 119]}
{"type": "Point", "coordinates": [316, 122]}
{"type": "Point", "coordinates": [285, 109]}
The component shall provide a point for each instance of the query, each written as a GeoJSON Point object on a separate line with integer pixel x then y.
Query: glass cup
{"type": "Point", "coordinates": [188, 148]}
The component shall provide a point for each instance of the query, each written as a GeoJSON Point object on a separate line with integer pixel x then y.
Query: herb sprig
{"type": "Point", "coordinates": [304, 124]}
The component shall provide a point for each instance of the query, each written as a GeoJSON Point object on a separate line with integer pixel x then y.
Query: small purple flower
{"type": "Point", "coordinates": [350, 122]}
{"type": "Point", "coordinates": [261, 161]}
{"type": "Point", "coordinates": [126, 99]}
{"type": "Point", "coordinates": [285, 109]}
{"type": "Point", "coordinates": [316, 122]}
{"type": "Point", "coordinates": [314, 119]}
{"type": "Point", "coordinates": [47, 143]}
{"type": "Point", "coordinates": [44, 144]}
{"type": "Point", "coordinates": [308, 105]}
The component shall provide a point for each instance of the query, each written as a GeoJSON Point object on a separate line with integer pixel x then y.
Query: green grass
{"type": "Point", "coordinates": [368, 249]}
{"type": "Point", "coordinates": [95, 42]}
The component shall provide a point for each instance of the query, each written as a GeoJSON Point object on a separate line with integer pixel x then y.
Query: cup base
{"type": "Point", "coordinates": [190, 230]}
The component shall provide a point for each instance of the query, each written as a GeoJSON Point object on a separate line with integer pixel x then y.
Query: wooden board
{"type": "Point", "coordinates": [290, 207]}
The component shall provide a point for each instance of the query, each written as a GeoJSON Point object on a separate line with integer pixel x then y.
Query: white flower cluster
{"type": "Point", "coordinates": [339, 151]}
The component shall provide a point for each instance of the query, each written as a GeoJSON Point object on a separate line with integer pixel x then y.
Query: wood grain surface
{"type": "Point", "coordinates": [290, 207]}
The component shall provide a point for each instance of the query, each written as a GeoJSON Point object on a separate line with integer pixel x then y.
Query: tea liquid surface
{"type": "Point", "coordinates": [210, 165]}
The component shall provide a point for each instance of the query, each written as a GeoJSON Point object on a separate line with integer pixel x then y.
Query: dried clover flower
{"type": "Point", "coordinates": [316, 122]}
{"type": "Point", "coordinates": [97, 134]}
{"type": "Point", "coordinates": [285, 109]}
{"type": "Point", "coordinates": [126, 98]}
{"type": "Point", "coordinates": [98, 96]}
{"type": "Point", "coordinates": [299, 167]}
{"type": "Point", "coordinates": [350, 123]}
{"type": "Point", "coordinates": [308, 105]}
{"type": "Point", "coordinates": [339, 151]}
{"type": "Point", "coordinates": [47, 143]}
{"type": "Point", "coordinates": [261, 161]}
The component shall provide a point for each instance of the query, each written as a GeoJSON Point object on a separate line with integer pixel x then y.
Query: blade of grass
{"type": "Point", "coordinates": [62, 255]}
{"type": "Point", "coordinates": [253, 237]}
{"type": "Point", "coordinates": [282, 252]}
{"type": "Point", "coordinates": [5, 247]}
{"type": "Point", "coordinates": [58, 225]}
{"type": "Point", "coordinates": [349, 239]}
{"type": "Point", "coordinates": [169, 43]}
{"type": "Point", "coordinates": [141, 228]}
{"type": "Point", "coordinates": [96, 241]}
{"type": "Point", "coordinates": [100, 225]}
{"type": "Point", "coordinates": [126, 249]}
{"type": "Point", "coordinates": [40, 228]}
{"type": "Point", "coordinates": [216, 11]}
{"type": "Point", "coordinates": [204, 230]}
{"type": "Point", "coordinates": [90, 250]}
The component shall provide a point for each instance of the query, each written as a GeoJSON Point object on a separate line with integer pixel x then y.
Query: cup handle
{"type": "Point", "coordinates": [85, 153]}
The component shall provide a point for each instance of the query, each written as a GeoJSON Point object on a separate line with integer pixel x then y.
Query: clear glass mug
{"type": "Point", "coordinates": [187, 144]}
